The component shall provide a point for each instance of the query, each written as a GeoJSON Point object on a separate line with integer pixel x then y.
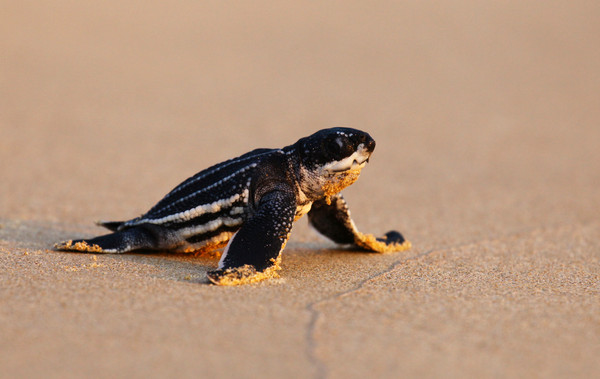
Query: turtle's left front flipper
{"type": "Point", "coordinates": [253, 253]}
{"type": "Point", "coordinates": [332, 219]}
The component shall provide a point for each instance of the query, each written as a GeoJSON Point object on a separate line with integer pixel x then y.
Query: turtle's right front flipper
{"type": "Point", "coordinates": [332, 219]}
{"type": "Point", "coordinates": [253, 253]}
{"type": "Point", "coordinates": [140, 237]}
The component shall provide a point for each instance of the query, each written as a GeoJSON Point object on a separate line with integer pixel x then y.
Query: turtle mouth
{"type": "Point", "coordinates": [356, 165]}
{"type": "Point", "coordinates": [356, 161]}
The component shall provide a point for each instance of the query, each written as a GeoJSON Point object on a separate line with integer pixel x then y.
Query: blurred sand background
{"type": "Point", "coordinates": [487, 122]}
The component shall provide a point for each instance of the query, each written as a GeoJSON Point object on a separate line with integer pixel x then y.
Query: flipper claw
{"type": "Point", "coordinates": [393, 237]}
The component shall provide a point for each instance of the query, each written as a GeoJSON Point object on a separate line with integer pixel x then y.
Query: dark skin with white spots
{"type": "Point", "coordinates": [252, 201]}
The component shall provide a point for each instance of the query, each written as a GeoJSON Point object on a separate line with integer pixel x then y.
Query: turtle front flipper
{"type": "Point", "coordinates": [331, 217]}
{"type": "Point", "coordinates": [253, 253]}
{"type": "Point", "coordinates": [139, 237]}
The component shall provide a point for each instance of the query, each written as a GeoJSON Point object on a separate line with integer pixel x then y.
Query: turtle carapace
{"type": "Point", "coordinates": [248, 204]}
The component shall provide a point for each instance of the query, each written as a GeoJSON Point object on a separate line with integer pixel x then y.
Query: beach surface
{"type": "Point", "coordinates": [487, 122]}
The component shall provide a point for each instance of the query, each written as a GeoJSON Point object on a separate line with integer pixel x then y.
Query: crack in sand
{"type": "Point", "coordinates": [311, 343]}
{"type": "Point", "coordinates": [315, 314]}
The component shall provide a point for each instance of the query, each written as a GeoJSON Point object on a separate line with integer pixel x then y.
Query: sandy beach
{"type": "Point", "coordinates": [487, 122]}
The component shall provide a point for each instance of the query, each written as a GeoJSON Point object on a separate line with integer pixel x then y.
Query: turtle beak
{"type": "Point", "coordinates": [369, 144]}
{"type": "Point", "coordinates": [360, 160]}
{"type": "Point", "coordinates": [356, 161]}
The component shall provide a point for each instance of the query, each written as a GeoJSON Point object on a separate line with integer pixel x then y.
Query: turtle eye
{"type": "Point", "coordinates": [339, 146]}
{"type": "Point", "coordinates": [334, 144]}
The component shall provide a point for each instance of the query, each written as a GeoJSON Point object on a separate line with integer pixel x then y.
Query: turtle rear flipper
{"type": "Point", "coordinates": [332, 219]}
{"type": "Point", "coordinates": [140, 237]}
{"type": "Point", "coordinates": [253, 253]}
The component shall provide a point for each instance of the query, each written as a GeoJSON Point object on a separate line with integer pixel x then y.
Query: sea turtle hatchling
{"type": "Point", "coordinates": [248, 204]}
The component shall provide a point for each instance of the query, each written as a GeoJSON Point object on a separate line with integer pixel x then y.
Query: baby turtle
{"type": "Point", "coordinates": [248, 205]}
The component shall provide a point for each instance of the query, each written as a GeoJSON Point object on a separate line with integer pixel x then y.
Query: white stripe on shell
{"type": "Point", "coordinates": [221, 237]}
{"type": "Point", "coordinates": [236, 211]}
{"type": "Point", "coordinates": [213, 207]}
{"type": "Point", "coordinates": [217, 169]}
{"type": "Point", "coordinates": [209, 226]}
{"type": "Point", "coordinates": [215, 184]}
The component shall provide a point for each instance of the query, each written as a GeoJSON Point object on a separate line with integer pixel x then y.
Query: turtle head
{"type": "Point", "coordinates": [331, 160]}
{"type": "Point", "coordinates": [336, 150]}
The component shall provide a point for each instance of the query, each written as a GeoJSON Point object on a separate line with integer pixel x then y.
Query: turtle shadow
{"type": "Point", "coordinates": [178, 267]}
{"type": "Point", "coordinates": [192, 268]}
{"type": "Point", "coordinates": [35, 235]}
{"type": "Point", "coordinates": [32, 235]}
